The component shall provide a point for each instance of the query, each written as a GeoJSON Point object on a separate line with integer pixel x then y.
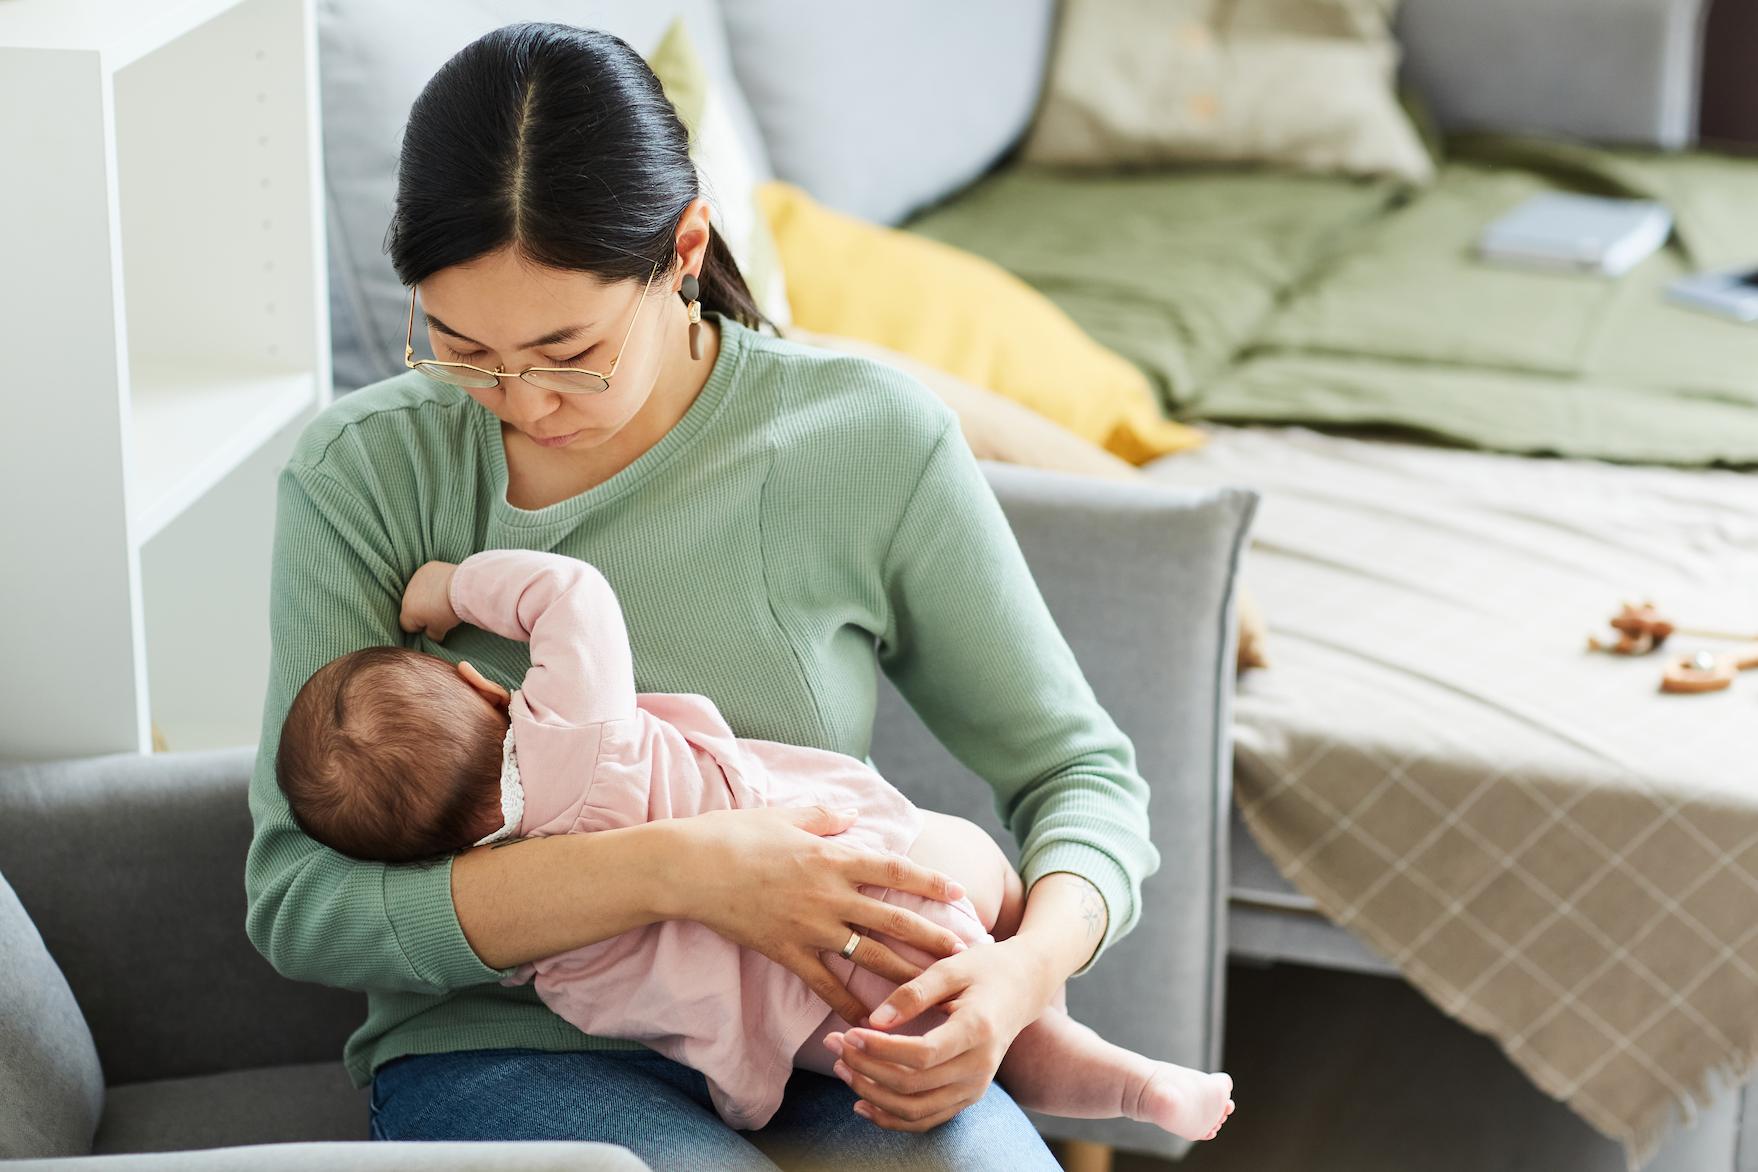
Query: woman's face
{"type": "Point", "coordinates": [502, 311]}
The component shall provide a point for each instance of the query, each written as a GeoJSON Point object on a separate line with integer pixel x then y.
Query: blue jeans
{"type": "Point", "coordinates": [660, 1110]}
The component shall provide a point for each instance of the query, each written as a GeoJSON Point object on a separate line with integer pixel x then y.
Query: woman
{"type": "Point", "coordinates": [776, 521]}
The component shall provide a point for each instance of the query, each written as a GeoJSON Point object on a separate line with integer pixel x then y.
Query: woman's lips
{"type": "Point", "coordinates": [558, 441]}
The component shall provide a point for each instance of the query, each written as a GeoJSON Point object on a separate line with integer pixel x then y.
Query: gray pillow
{"type": "Point", "coordinates": [881, 109]}
{"type": "Point", "coordinates": [373, 61]}
{"type": "Point", "coordinates": [51, 1088]}
{"type": "Point", "coordinates": [1625, 72]}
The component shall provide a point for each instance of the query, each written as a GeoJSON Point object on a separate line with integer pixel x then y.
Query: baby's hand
{"type": "Point", "coordinates": [427, 601]}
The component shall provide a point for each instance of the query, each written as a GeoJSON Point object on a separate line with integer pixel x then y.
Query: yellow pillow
{"type": "Point", "coordinates": [964, 315]}
{"type": "Point", "coordinates": [995, 427]}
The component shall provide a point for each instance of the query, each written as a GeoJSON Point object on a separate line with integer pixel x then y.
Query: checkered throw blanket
{"type": "Point", "coordinates": [1553, 851]}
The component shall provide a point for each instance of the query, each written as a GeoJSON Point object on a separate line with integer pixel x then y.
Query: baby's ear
{"type": "Point", "coordinates": [493, 692]}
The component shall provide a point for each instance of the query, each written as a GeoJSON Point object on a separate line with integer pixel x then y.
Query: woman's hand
{"type": "Point", "coordinates": [778, 881]}
{"type": "Point", "coordinates": [427, 601]}
{"type": "Point", "coordinates": [990, 993]}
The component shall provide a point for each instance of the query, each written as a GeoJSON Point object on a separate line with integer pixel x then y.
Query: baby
{"type": "Point", "coordinates": [392, 754]}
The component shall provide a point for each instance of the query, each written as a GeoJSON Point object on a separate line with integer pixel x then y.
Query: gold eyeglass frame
{"type": "Point", "coordinates": [413, 363]}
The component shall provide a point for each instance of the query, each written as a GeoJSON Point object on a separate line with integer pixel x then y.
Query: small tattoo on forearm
{"type": "Point", "coordinates": [1092, 910]}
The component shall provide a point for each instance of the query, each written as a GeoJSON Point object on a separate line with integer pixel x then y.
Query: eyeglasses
{"type": "Point", "coordinates": [572, 380]}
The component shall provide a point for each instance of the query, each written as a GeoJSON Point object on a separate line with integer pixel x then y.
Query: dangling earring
{"type": "Point", "coordinates": [690, 293]}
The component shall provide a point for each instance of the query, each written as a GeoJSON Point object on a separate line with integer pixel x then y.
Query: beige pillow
{"type": "Point", "coordinates": [1305, 84]}
{"type": "Point", "coordinates": [997, 428]}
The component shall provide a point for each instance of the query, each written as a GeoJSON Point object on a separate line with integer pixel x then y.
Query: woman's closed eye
{"type": "Point", "coordinates": [475, 357]}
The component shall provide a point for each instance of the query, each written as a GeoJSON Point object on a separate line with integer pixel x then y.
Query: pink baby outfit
{"type": "Point", "coordinates": [586, 752]}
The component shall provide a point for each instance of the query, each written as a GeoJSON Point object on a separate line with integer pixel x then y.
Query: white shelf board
{"type": "Point", "coordinates": [120, 31]}
{"type": "Point", "coordinates": [194, 424]}
{"type": "Point", "coordinates": [205, 596]}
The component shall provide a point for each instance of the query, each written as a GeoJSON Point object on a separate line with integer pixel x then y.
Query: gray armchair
{"type": "Point", "coordinates": [135, 1016]}
{"type": "Point", "coordinates": [123, 960]}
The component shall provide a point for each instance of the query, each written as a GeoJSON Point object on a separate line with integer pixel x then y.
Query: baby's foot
{"type": "Point", "coordinates": [1185, 1102]}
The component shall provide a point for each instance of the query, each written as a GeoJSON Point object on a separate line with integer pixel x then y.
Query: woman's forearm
{"type": "Point", "coordinates": [539, 896]}
{"type": "Point", "coordinates": [1064, 922]}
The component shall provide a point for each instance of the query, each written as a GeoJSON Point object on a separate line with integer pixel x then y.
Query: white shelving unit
{"type": "Point", "coordinates": [162, 292]}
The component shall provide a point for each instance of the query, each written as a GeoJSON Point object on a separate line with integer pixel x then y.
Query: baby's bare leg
{"type": "Point", "coordinates": [1057, 1065]}
{"type": "Point", "coordinates": [962, 849]}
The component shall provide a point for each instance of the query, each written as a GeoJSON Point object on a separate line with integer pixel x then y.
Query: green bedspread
{"type": "Point", "coordinates": [1174, 269]}
{"type": "Point", "coordinates": [1256, 296]}
{"type": "Point", "coordinates": [1409, 329]}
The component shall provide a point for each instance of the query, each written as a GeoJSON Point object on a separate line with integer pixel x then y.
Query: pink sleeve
{"type": "Point", "coordinates": [581, 670]}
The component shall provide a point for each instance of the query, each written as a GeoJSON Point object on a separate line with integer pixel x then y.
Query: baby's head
{"type": "Point", "coordinates": [390, 754]}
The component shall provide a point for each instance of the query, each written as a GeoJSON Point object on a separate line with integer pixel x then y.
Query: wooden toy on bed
{"type": "Point", "coordinates": [1708, 671]}
{"type": "Point", "coordinates": [1642, 629]}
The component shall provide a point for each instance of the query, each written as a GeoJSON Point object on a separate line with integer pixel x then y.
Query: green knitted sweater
{"type": "Point", "coordinates": [809, 515]}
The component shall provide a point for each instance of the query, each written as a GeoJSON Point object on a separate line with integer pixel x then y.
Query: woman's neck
{"type": "Point", "coordinates": [538, 477]}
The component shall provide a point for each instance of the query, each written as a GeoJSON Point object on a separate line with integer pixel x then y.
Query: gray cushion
{"type": "Point", "coordinates": [51, 1089]}
{"type": "Point", "coordinates": [373, 61]}
{"type": "Point", "coordinates": [1612, 72]}
{"type": "Point", "coordinates": [277, 1104]}
{"type": "Point", "coordinates": [125, 856]}
{"type": "Point", "coordinates": [881, 109]}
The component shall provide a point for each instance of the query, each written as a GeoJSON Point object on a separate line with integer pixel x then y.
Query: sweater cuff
{"type": "Point", "coordinates": [1103, 872]}
{"type": "Point", "coordinates": [452, 594]}
{"type": "Point", "coordinates": [418, 903]}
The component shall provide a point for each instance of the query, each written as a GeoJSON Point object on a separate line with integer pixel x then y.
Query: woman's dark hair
{"type": "Point", "coordinates": [559, 141]}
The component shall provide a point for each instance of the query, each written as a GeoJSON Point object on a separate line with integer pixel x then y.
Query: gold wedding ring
{"type": "Point", "coordinates": [854, 942]}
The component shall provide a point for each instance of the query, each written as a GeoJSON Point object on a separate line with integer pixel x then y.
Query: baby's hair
{"type": "Point", "coordinates": [386, 754]}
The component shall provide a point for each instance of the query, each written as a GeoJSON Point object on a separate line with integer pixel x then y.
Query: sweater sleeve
{"type": "Point", "coordinates": [582, 671]}
{"type": "Point", "coordinates": [315, 914]}
{"type": "Point", "coordinates": [971, 645]}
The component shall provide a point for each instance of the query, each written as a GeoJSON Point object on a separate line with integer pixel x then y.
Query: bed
{"type": "Point", "coordinates": [1555, 852]}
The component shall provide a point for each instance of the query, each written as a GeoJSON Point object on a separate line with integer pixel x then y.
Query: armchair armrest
{"type": "Point", "coordinates": [365, 1157]}
{"type": "Point", "coordinates": [1601, 70]}
{"type": "Point", "coordinates": [128, 856]}
{"type": "Point", "coordinates": [1139, 577]}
